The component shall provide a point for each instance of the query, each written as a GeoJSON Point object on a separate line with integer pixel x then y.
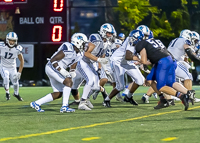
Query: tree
{"type": "Point", "coordinates": [132, 12]}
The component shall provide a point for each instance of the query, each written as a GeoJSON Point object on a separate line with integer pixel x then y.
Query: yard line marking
{"type": "Point", "coordinates": [89, 126]}
{"type": "Point", "coordinates": [169, 139]}
{"type": "Point", "coordinates": [91, 138]}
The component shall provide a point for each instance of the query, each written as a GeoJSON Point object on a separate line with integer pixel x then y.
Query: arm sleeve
{"type": "Point", "coordinates": [139, 46]}
{"type": "Point", "coordinates": [195, 59]}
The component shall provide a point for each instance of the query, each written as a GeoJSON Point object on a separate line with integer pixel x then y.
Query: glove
{"type": "Point", "coordinates": [102, 60]}
{"type": "Point", "coordinates": [64, 73]}
{"type": "Point", "coordinates": [72, 73]}
{"type": "Point", "coordinates": [109, 76]}
{"type": "Point", "coordinates": [17, 76]}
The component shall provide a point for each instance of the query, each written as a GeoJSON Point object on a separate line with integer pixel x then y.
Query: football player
{"type": "Point", "coordinates": [152, 51]}
{"type": "Point", "coordinates": [10, 50]}
{"type": "Point", "coordinates": [61, 80]}
{"type": "Point", "coordinates": [121, 63]}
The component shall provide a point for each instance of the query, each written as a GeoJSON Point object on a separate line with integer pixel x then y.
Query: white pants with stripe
{"type": "Point", "coordinates": [56, 78]}
{"type": "Point", "coordinates": [8, 73]}
{"type": "Point", "coordinates": [89, 74]}
{"type": "Point", "coordinates": [183, 72]}
{"type": "Point", "coordinates": [131, 69]}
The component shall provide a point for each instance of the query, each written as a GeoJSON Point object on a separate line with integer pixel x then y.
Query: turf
{"type": "Point", "coordinates": [121, 123]}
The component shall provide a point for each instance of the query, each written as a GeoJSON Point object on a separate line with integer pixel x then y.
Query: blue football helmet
{"type": "Point", "coordinates": [187, 34]}
{"type": "Point", "coordinates": [135, 36]}
{"type": "Point", "coordinates": [151, 35]}
{"type": "Point", "coordinates": [145, 30]}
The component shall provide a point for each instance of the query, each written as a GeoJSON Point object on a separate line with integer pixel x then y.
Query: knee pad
{"type": "Point", "coordinates": [6, 80]}
{"type": "Point", "coordinates": [120, 88]}
{"type": "Point", "coordinates": [74, 92]}
{"type": "Point", "coordinates": [140, 81]}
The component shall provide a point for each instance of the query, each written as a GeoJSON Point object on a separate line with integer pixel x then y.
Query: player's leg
{"type": "Point", "coordinates": [15, 83]}
{"type": "Point", "coordinates": [145, 97]}
{"type": "Point", "coordinates": [138, 78]}
{"type": "Point", "coordinates": [118, 72]}
{"type": "Point", "coordinates": [89, 74]}
{"type": "Point", "coordinates": [5, 75]}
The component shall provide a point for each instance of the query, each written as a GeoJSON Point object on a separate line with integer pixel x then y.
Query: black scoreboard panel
{"type": "Point", "coordinates": [36, 20]}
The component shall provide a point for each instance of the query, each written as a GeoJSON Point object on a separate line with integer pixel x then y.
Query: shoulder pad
{"type": "Point", "coordinates": [2, 44]}
{"type": "Point", "coordinates": [67, 47]}
{"type": "Point", "coordinates": [95, 37]}
{"type": "Point", "coordinates": [188, 42]}
{"type": "Point", "coordinates": [117, 41]}
{"type": "Point", "coordinates": [19, 47]}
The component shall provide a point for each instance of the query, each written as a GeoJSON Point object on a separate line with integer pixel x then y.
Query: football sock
{"type": "Point", "coordinates": [45, 99]}
{"type": "Point", "coordinates": [86, 91]}
{"type": "Point", "coordinates": [129, 95]}
{"type": "Point", "coordinates": [66, 94]}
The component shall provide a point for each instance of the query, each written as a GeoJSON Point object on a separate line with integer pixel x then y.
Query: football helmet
{"type": "Point", "coordinates": [107, 27]}
{"type": "Point", "coordinates": [195, 38]}
{"type": "Point", "coordinates": [79, 40]}
{"type": "Point", "coordinates": [145, 30]}
{"type": "Point", "coordinates": [135, 36]}
{"type": "Point", "coordinates": [121, 36]}
{"type": "Point", "coordinates": [187, 34]}
{"type": "Point", "coordinates": [11, 36]}
{"type": "Point", "coordinates": [151, 35]}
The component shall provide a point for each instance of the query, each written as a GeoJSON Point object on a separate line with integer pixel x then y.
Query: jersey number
{"type": "Point", "coordinates": [109, 52]}
{"type": "Point", "coordinates": [8, 55]}
{"type": "Point", "coordinates": [156, 43]}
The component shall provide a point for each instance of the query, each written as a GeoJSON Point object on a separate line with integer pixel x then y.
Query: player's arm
{"type": "Point", "coordinates": [129, 56]}
{"type": "Point", "coordinates": [88, 52]}
{"type": "Point", "coordinates": [21, 66]}
{"type": "Point", "coordinates": [59, 56]}
{"type": "Point", "coordinates": [143, 59]}
{"type": "Point", "coordinates": [190, 53]}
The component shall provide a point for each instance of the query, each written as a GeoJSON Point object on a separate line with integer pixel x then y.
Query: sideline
{"type": "Point", "coordinates": [90, 126]}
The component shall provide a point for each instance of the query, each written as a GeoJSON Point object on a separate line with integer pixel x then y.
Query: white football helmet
{"type": "Point", "coordinates": [195, 38]}
{"type": "Point", "coordinates": [107, 27]}
{"type": "Point", "coordinates": [145, 30]}
{"type": "Point", "coordinates": [187, 34]}
{"type": "Point", "coordinates": [11, 36]}
{"type": "Point", "coordinates": [79, 40]}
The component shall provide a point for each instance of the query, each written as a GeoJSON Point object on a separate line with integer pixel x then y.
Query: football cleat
{"type": "Point", "coordinates": [66, 109]}
{"type": "Point", "coordinates": [83, 106]}
{"type": "Point", "coordinates": [95, 94]}
{"type": "Point", "coordinates": [119, 98]}
{"type": "Point", "coordinates": [171, 102]}
{"type": "Point", "coordinates": [196, 99]}
{"type": "Point", "coordinates": [131, 100]}
{"type": "Point", "coordinates": [74, 103]}
{"type": "Point", "coordinates": [185, 100]}
{"type": "Point", "coordinates": [145, 98]}
{"type": "Point", "coordinates": [7, 96]}
{"type": "Point", "coordinates": [106, 103]}
{"type": "Point", "coordinates": [191, 96]}
{"type": "Point", "coordinates": [163, 103]}
{"type": "Point", "coordinates": [89, 104]}
{"type": "Point", "coordinates": [18, 97]}
{"type": "Point", "coordinates": [155, 95]}
{"type": "Point", "coordinates": [36, 107]}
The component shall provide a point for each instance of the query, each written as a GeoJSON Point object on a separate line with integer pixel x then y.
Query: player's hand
{"type": "Point", "coordinates": [102, 60]}
{"type": "Point", "coordinates": [17, 76]}
{"type": "Point", "coordinates": [72, 73]}
{"type": "Point", "coordinates": [64, 72]}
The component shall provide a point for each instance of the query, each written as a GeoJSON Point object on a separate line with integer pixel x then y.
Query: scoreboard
{"type": "Point", "coordinates": [43, 21]}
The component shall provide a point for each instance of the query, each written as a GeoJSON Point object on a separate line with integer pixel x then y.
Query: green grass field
{"type": "Point", "coordinates": [123, 123]}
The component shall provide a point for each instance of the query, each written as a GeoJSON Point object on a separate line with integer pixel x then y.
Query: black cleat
{"type": "Point", "coordinates": [163, 103]}
{"type": "Point", "coordinates": [18, 97]}
{"type": "Point", "coordinates": [7, 96]}
{"type": "Point", "coordinates": [171, 102]}
{"type": "Point", "coordinates": [131, 100]}
{"type": "Point", "coordinates": [106, 103]}
{"type": "Point", "coordinates": [74, 103]}
{"type": "Point", "coordinates": [185, 100]}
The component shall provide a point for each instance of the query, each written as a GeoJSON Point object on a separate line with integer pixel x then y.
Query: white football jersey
{"type": "Point", "coordinates": [111, 47]}
{"type": "Point", "coordinates": [119, 54]}
{"type": "Point", "coordinates": [9, 55]}
{"type": "Point", "coordinates": [176, 48]}
{"type": "Point", "coordinates": [70, 55]}
{"type": "Point", "coordinates": [99, 49]}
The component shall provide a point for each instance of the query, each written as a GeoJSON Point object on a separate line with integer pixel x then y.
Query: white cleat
{"type": "Point", "coordinates": [66, 109]}
{"type": "Point", "coordinates": [196, 100]}
{"type": "Point", "coordinates": [89, 104]}
{"type": "Point", "coordinates": [119, 98]}
{"type": "Point", "coordinates": [83, 106]}
{"type": "Point", "coordinates": [145, 98]}
{"type": "Point", "coordinates": [155, 95]}
{"type": "Point", "coordinates": [36, 107]}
